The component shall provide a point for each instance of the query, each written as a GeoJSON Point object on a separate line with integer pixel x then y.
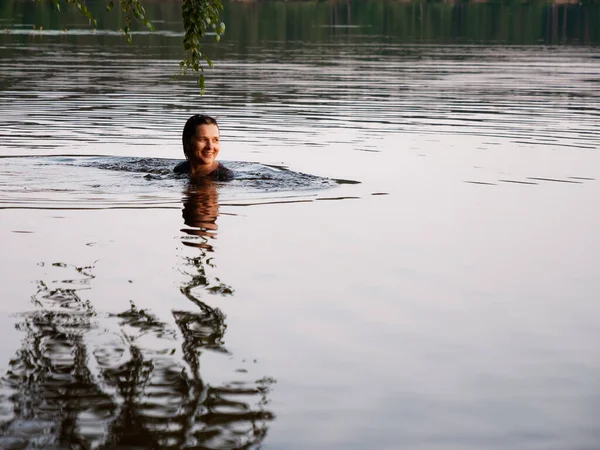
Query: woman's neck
{"type": "Point", "coordinates": [203, 169]}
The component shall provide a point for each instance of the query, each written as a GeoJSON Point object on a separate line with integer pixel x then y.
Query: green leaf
{"type": "Point", "coordinates": [110, 5]}
{"type": "Point", "coordinates": [201, 84]}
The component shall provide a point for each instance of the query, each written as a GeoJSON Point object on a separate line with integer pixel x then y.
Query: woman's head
{"type": "Point", "coordinates": [189, 130]}
{"type": "Point", "coordinates": [201, 144]}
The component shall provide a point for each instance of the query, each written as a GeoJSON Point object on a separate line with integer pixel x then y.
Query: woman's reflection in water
{"type": "Point", "coordinates": [125, 383]}
{"type": "Point", "coordinates": [200, 212]}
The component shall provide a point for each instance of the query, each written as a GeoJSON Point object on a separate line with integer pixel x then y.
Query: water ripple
{"type": "Point", "coordinates": [533, 96]}
{"type": "Point", "coordinates": [64, 182]}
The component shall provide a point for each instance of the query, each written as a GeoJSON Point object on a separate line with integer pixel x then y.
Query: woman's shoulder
{"type": "Point", "coordinates": [222, 173]}
{"type": "Point", "coordinates": [182, 167]}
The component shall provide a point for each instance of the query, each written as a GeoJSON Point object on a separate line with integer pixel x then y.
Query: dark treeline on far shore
{"type": "Point", "coordinates": [252, 21]}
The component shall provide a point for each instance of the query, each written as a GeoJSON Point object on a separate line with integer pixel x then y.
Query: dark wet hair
{"type": "Point", "coordinates": [190, 127]}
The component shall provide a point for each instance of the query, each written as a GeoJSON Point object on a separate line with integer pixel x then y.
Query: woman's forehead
{"type": "Point", "coordinates": [207, 129]}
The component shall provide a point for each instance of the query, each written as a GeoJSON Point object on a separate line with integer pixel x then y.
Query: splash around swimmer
{"type": "Point", "coordinates": [201, 145]}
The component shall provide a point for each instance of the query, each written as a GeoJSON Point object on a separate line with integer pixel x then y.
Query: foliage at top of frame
{"type": "Point", "coordinates": [200, 17]}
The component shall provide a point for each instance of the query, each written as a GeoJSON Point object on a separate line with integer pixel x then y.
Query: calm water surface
{"type": "Point", "coordinates": [441, 294]}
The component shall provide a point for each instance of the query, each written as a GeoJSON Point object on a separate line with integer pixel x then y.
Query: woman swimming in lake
{"type": "Point", "coordinates": [201, 144]}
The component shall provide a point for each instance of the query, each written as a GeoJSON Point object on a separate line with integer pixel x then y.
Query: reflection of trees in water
{"type": "Point", "coordinates": [50, 380]}
{"type": "Point", "coordinates": [81, 380]}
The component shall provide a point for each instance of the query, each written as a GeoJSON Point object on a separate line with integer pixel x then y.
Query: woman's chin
{"type": "Point", "coordinates": [208, 159]}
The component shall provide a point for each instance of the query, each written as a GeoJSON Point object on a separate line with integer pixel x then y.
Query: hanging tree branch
{"type": "Point", "coordinates": [200, 17]}
{"type": "Point", "coordinates": [129, 8]}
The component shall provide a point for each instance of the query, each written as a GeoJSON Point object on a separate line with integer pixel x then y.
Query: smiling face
{"type": "Point", "coordinates": [203, 147]}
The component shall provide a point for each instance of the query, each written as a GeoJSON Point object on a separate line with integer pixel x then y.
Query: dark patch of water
{"type": "Point", "coordinates": [247, 174]}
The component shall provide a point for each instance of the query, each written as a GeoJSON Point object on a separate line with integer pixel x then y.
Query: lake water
{"type": "Point", "coordinates": [408, 258]}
